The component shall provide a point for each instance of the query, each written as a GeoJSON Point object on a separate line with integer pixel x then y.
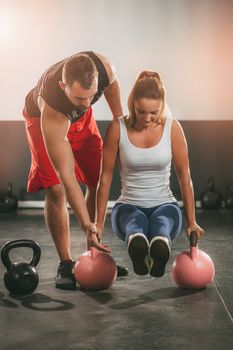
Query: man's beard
{"type": "Point", "coordinates": [81, 109]}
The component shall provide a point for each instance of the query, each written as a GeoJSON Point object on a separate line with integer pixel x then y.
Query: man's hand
{"type": "Point", "coordinates": [94, 241]}
{"type": "Point", "coordinates": [99, 232]}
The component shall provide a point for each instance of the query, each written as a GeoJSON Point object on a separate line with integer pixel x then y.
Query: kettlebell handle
{"type": "Point", "coordinates": [193, 239]}
{"type": "Point", "coordinates": [94, 252]}
{"type": "Point", "coordinates": [20, 243]}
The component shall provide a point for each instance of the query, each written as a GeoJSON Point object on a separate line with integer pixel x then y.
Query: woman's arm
{"type": "Point", "coordinates": [181, 163]}
{"type": "Point", "coordinates": [110, 151]}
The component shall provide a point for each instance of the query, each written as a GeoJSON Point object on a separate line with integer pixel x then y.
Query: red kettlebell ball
{"type": "Point", "coordinates": [95, 270]}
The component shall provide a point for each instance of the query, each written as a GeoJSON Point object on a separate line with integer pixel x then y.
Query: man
{"type": "Point", "coordinates": [66, 147]}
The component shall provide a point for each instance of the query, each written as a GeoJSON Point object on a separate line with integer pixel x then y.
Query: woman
{"type": "Point", "coordinates": [146, 215]}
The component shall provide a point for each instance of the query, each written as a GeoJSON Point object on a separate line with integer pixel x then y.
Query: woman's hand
{"type": "Point", "coordinates": [195, 227]}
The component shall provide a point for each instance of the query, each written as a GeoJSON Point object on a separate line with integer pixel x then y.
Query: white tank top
{"type": "Point", "coordinates": [145, 172]}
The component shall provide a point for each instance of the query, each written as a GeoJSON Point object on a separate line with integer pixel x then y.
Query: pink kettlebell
{"type": "Point", "coordinates": [95, 270]}
{"type": "Point", "coordinates": [193, 268]}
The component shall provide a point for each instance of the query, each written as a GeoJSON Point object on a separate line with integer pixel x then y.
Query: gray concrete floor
{"type": "Point", "coordinates": [137, 312]}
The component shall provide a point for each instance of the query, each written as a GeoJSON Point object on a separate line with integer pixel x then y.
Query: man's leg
{"type": "Point", "coordinates": [42, 175]}
{"type": "Point", "coordinates": [57, 221]}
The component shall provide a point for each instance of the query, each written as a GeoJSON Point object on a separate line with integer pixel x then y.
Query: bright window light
{"type": "Point", "coordinates": [7, 26]}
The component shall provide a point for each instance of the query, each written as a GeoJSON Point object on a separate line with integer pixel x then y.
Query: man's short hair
{"type": "Point", "coordinates": [81, 68]}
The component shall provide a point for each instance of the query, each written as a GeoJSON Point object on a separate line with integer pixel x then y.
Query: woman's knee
{"type": "Point", "coordinates": [166, 221]}
{"type": "Point", "coordinates": [128, 219]}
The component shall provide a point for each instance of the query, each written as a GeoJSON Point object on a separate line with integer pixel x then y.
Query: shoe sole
{"type": "Point", "coordinates": [65, 287]}
{"type": "Point", "coordinates": [138, 251]}
{"type": "Point", "coordinates": [65, 277]}
{"type": "Point", "coordinates": [159, 255]}
{"type": "Point", "coordinates": [122, 271]}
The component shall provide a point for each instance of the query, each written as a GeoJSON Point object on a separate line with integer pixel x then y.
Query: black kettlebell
{"type": "Point", "coordinates": [229, 199]}
{"type": "Point", "coordinates": [21, 278]}
{"type": "Point", "coordinates": [10, 202]}
{"type": "Point", "coordinates": [211, 199]}
{"type": "Point", "coordinates": [10, 199]}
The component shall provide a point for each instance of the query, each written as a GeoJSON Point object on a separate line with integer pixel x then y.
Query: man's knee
{"type": "Point", "coordinates": [55, 194]}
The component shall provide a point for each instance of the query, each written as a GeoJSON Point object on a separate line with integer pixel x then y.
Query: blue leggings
{"type": "Point", "coordinates": [163, 220]}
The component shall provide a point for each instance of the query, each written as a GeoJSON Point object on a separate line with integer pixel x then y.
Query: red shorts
{"type": "Point", "coordinates": [86, 144]}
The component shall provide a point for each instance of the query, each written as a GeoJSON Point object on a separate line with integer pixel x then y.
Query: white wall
{"type": "Point", "coordinates": [190, 43]}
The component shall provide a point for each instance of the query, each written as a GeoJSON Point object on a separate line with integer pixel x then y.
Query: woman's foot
{"type": "Point", "coordinates": [160, 252]}
{"type": "Point", "coordinates": [138, 246]}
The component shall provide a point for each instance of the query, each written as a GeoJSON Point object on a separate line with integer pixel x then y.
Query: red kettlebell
{"type": "Point", "coordinates": [95, 270]}
{"type": "Point", "coordinates": [193, 268]}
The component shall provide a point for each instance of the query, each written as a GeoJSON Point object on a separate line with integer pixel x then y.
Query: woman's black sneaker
{"type": "Point", "coordinates": [138, 251]}
{"type": "Point", "coordinates": [160, 252]}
